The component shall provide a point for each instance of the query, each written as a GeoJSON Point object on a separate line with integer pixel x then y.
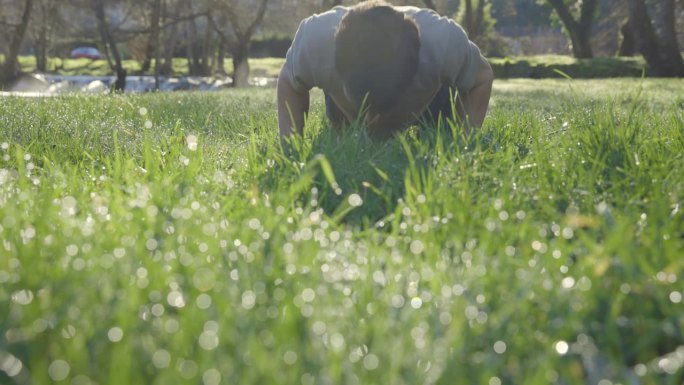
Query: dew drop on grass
{"type": "Point", "coordinates": [211, 377]}
{"type": "Point", "coordinates": [500, 347]}
{"type": "Point", "coordinates": [398, 301]}
{"type": "Point", "coordinates": [355, 200]}
{"type": "Point", "coordinates": [208, 340]}
{"type": "Point", "coordinates": [175, 299]}
{"type": "Point", "coordinates": [355, 355]}
{"type": "Point", "coordinates": [22, 297]}
{"type": "Point", "coordinates": [290, 357]}
{"type": "Point", "coordinates": [625, 288]}
{"type": "Point", "coordinates": [308, 295]}
{"type": "Point", "coordinates": [640, 370]}
{"type": "Point", "coordinates": [319, 327]}
{"type": "Point", "coordinates": [203, 301]}
{"type": "Point", "coordinates": [10, 364]}
{"type": "Point", "coordinates": [115, 334]}
{"type": "Point", "coordinates": [561, 347]}
{"type": "Point", "coordinates": [308, 379]}
{"type": "Point", "coordinates": [188, 369]}
{"type": "Point", "coordinates": [248, 299]}
{"type": "Point", "coordinates": [371, 361]}
{"type": "Point", "coordinates": [445, 318]}
{"type": "Point", "coordinates": [58, 370]}
{"type": "Point", "coordinates": [69, 332]}
{"type": "Point", "coordinates": [191, 141]}
{"type": "Point", "coordinates": [568, 282]}
{"type": "Point", "coordinates": [204, 279]}
{"type": "Point", "coordinates": [157, 310]}
{"type": "Point", "coordinates": [337, 342]}
{"type": "Point", "coordinates": [161, 359]}
{"type": "Point", "coordinates": [417, 246]}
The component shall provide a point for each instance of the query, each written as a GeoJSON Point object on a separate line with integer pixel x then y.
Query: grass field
{"type": "Point", "coordinates": [169, 239]}
{"type": "Point", "coordinates": [538, 66]}
{"type": "Point", "coordinates": [268, 67]}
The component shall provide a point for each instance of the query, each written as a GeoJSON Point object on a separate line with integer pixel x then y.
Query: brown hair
{"type": "Point", "coordinates": [376, 53]}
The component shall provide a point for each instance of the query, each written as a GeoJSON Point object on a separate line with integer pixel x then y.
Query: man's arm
{"type": "Point", "coordinates": [472, 104]}
{"type": "Point", "coordinates": [292, 107]}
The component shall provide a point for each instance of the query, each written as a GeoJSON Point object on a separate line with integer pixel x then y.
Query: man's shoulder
{"type": "Point", "coordinates": [428, 20]}
{"type": "Point", "coordinates": [322, 25]}
{"type": "Point", "coordinates": [437, 33]}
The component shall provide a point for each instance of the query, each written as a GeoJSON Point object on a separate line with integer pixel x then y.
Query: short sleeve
{"type": "Point", "coordinates": [297, 65]}
{"type": "Point", "coordinates": [462, 59]}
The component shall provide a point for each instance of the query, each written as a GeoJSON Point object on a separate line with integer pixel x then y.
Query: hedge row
{"type": "Point", "coordinates": [552, 66]}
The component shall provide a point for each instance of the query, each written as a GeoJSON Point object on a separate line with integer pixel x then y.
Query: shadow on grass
{"type": "Point", "coordinates": [356, 179]}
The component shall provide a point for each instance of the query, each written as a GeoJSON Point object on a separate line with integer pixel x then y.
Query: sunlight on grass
{"type": "Point", "coordinates": [266, 67]}
{"type": "Point", "coordinates": [170, 238]}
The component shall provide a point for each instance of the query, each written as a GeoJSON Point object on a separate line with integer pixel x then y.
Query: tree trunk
{"type": "Point", "coordinates": [627, 47]}
{"type": "Point", "coordinates": [469, 18]}
{"type": "Point", "coordinates": [170, 41]}
{"type": "Point", "coordinates": [672, 57]}
{"type": "Point", "coordinates": [239, 49]}
{"type": "Point", "coordinates": [207, 52]}
{"type": "Point", "coordinates": [43, 21]}
{"type": "Point", "coordinates": [660, 58]}
{"type": "Point", "coordinates": [156, 37]}
{"type": "Point", "coordinates": [42, 48]}
{"type": "Point", "coordinates": [191, 48]}
{"type": "Point", "coordinates": [221, 57]}
{"type": "Point", "coordinates": [578, 30]}
{"type": "Point", "coordinates": [11, 69]}
{"type": "Point", "coordinates": [149, 55]}
{"type": "Point", "coordinates": [473, 18]}
{"type": "Point", "coordinates": [581, 44]}
{"type": "Point", "coordinates": [241, 65]}
{"type": "Point", "coordinates": [108, 41]}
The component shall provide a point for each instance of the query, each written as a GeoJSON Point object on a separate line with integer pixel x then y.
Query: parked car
{"type": "Point", "coordinates": [87, 52]}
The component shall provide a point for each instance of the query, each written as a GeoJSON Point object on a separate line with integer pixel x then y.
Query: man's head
{"type": "Point", "coordinates": [376, 54]}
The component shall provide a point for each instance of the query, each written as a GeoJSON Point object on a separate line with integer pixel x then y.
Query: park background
{"type": "Point", "coordinates": [216, 38]}
{"type": "Point", "coordinates": [173, 238]}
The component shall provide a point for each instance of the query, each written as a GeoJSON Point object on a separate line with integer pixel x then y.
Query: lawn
{"type": "Point", "coordinates": [539, 66]}
{"type": "Point", "coordinates": [170, 239]}
{"type": "Point", "coordinates": [268, 67]}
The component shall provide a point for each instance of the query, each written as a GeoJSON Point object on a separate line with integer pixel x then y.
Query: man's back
{"type": "Point", "coordinates": [446, 57]}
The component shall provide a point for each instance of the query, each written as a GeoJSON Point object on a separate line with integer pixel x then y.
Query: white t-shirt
{"type": "Point", "coordinates": [447, 57]}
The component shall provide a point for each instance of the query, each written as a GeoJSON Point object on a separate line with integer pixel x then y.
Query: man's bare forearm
{"type": "Point", "coordinates": [292, 107]}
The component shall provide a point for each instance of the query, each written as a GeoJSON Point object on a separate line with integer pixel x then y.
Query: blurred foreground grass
{"type": "Point", "coordinates": [167, 238]}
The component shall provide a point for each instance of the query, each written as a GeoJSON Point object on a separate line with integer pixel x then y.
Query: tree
{"type": "Point", "coordinates": [44, 20]}
{"type": "Point", "coordinates": [578, 28]}
{"type": "Point", "coordinates": [237, 37]}
{"type": "Point", "coordinates": [15, 35]}
{"type": "Point", "coordinates": [473, 18]}
{"type": "Point", "coordinates": [661, 51]}
{"type": "Point", "coordinates": [110, 45]}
